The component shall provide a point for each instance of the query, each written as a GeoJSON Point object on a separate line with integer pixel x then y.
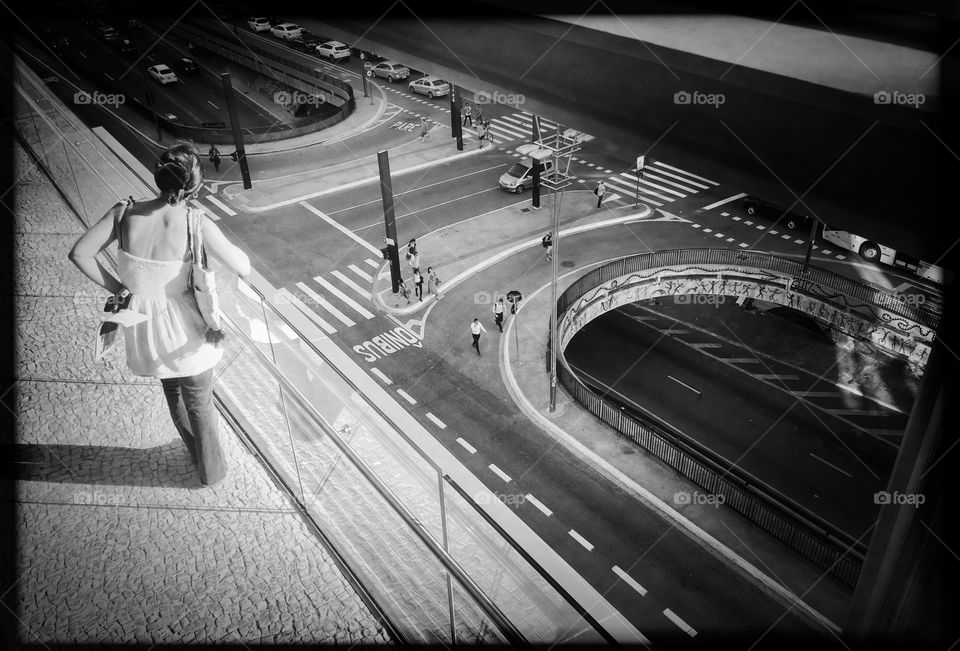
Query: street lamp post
{"type": "Point", "coordinates": [558, 147]}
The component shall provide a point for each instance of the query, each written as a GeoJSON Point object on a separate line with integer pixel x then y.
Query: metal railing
{"type": "Point", "coordinates": [924, 314]}
{"type": "Point", "coordinates": [436, 571]}
{"type": "Point", "coordinates": [830, 548]}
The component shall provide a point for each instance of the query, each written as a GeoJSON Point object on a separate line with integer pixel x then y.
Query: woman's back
{"type": "Point", "coordinates": [155, 230]}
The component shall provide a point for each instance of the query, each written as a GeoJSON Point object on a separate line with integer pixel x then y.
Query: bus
{"type": "Point", "coordinates": [875, 252]}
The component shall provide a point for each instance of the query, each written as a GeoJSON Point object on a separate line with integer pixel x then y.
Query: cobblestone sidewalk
{"type": "Point", "coordinates": [117, 541]}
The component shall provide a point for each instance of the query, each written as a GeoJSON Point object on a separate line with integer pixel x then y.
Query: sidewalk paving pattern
{"type": "Point", "coordinates": [117, 539]}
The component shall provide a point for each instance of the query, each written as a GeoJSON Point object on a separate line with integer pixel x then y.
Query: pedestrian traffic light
{"type": "Point", "coordinates": [385, 251]}
{"type": "Point", "coordinates": [234, 157]}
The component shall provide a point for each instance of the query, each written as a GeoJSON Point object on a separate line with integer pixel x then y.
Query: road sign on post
{"type": "Point", "coordinates": [641, 161]}
{"type": "Point", "coordinates": [389, 218]}
{"type": "Point", "coordinates": [514, 297]}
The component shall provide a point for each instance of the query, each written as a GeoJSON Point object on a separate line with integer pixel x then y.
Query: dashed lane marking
{"type": "Point", "coordinates": [406, 396]}
{"type": "Point", "coordinates": [380, 375]}
{"type": "Point", "coordinates": [743, 245]}
{"type": "Point", "coordinates": [629, 580]}
{"type": "Point", "coordinates": [686, 628]}
{"type": "Point", "coordinates": [499, 473]}
{"type": "Point", "coordinates": [580, 539]}
{"type": "Point", "coordinates": [466, 446]}
{"type": "Point", "coordinates": [436, 421]}
{"type": "Point", "coordinates": [537, 503]}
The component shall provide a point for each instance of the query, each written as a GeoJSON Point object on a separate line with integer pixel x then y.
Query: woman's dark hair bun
{"type": "Point", "coordinates": [178, 172]}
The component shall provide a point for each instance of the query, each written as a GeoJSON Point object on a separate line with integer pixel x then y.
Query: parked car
{"type": "Point", "coordinates": [430, 86]}
{"type": "Point", "coordinates": [286, 31]}
{"type": "Point", "coordinates": [307, 42]}
{"type": "Point", "coordinates": [520, 175]}
{"type": "Point", "coordinates": [389, 70]}
{"type": "Point", "coordinates": [187, 65]}
{"type": "Point", "coordinates": [162, 74]}
{"type": "Point", "coordinates": [258, 23]}
{"type": "Point", "coordinates": [756, 206]}
{"type": "Point", "coordinates": [334, 50]}
{"type": "Point", "coordinates": [126, 47]}
{"type": "Point", "coordinates": [107, 33]}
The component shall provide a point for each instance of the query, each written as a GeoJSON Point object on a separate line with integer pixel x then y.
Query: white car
{"type": "Point", "coordinates": [162, 74]}
{"type": "Point", "coordinates": [286, 31]}
{"type": "Point", "coordinates": [520, 175]}
{"type": "Point", "coordinates": [258, 23]}
{"type": "Point", "coordinates": [389, 70]}
{"type": "Point", "coordinates": [430, 86]}
{"type": "Point", "coordinates": [334, 50]}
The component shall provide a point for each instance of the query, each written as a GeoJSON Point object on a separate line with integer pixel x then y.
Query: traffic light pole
{"type": "Point", "coordinates": [456, 124]}
{"type": "Point", "coordinates": [235, 126]}
{"type": "Point", "coordinates": [389, 219]}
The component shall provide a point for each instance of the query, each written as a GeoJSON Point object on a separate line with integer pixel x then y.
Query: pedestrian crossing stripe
{"type": "Point", "coordinates": [360, 272]}
{"type": "Point", "coordinates": [219, 204]}
{"type": "Point", "coordinates": [675, 169]}
{"type": "Point", "coordinates": [209, 213]}
{"type": "Point", "coordinates": [365, 313]}
{"type": "Point", "coordinates": [322, 302]}
{"type": "Point", "coordinates": [337, 296]}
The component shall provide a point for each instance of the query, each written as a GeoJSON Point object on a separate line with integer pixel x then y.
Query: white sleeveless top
{"type": "Point", "coordinates": [170, 343]}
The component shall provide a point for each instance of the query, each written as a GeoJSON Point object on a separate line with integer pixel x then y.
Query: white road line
{"type": "Point", "coordinates": [799, 242]}
{"type": "Point", "coordinates": [718, 235]}
{"type": "Point", "coordinates": [373, 263]}
{"type": "Point", "coordinates": [219, 204]}
{"type": "Point", "coordinates": [617, 183]}
{"type": "Point", "coordinates": [706, 230]}
{"type": "Point", "coordinates": [761, 228]}
{"type": "Point", "coordinates": [773, 232]}
{"type": "Point", "coordinates": [362, 311]}
{"type": "Point", "coordinates": [320, 300]}
{"type": "Point", "coordinates": [777, 377]}
{"type": "Point", "coordinates": [380, 375]}
{"type": "Point", "coordinates": [112, 79]}
{"type": "Point", "coordinates": [537, 503]}
{"type": "Point", "coordinates": [406, 396]}
{"type": "Point", "coordinates": [342, 277]}
{"type": "Point", "coordinates": [824, 252]}
{"type": "Point", "coordinates": [730, 239]}
{"type": "Point", "coordinates": [684, 172]}
{"type": "Point", "coordinates": [683, 384]}
{"type": "Point", "coordinates": [741, 360]}
{"type": "Point", "coordinates": [519, 123]}
{"type": "Point", "coordinates": [436, 421]}
{"type": "Point", "coordinates": [785, 237]}
{"type": "Point", "coordinates": [611, 197]}
{"type": "Point", "coordinates": [841, 257]}
{"type": "Point", "coordinates": [825, 462]}
{"type": "Point", "coordinates": [466, 446]}
{"type": "Point", "coordinates": [580, 539]}
{"type": "Point", "coordinates": [502, 475]}
{"type": "Point", "coordinates": [745, 221]}
{"type": "Point", "coordinates": [503, 135]}
{"type": "Point", "coordinates": [737, 219]}
{"type": "Point", "coordinates": [346, 231]}
{"type": "Point", "coordinates": [726, 214]}
{"type": "Point", "coordinates": [643, 190]}
{"type": "Point", "coordinates": [681, 178]}
{"type": "Point", "coordinates": [686, 628]}
{"type": "Point", "coordinates": [743, 245]}
{"type": "Point", "coordinates": [360, 272]}
{"type": "Point", "coordinates": [507, 128]}
{"type": "Point", "coordinates": [626, 578]}
{"type": "Point", "coordinates": [310, 314]}
{"type": "Point", "coordinates": [207, 211]}
{"type": "Point", "coordinates": [724, 201]}
{"type": "Point", "coordinates": [660, 187]}
{"type": "Point", "coordinates": [218, 108]}
{"type": "Point", "coordinates": [669, 182]}
{"type": "Point", "coordinates": [709, 345]}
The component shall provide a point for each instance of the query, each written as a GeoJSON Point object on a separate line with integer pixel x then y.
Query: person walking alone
{"type": "Point", "coordinates": [498, 313]}
{"type": "Point", "coordinates": [433, 283]}
{"type": "Point", "coordinates": [214, 155]}
{"type": "Point", "coordinates": [599, 190]}
{"type": "Point", "coordinates": [424, 129]}
{"type": "Point", "coordinates": [488, 132]}
{"type": "Point", "coordinates": [481, 133]}
{"type": "Point", "coordinates": [475, 329]}
{"type": "Point", "coordinates": [547, 243]}
{"type": "Point", "coordinates": [467, 115]}
{"type": "Point", "coordinates": [171, 344]}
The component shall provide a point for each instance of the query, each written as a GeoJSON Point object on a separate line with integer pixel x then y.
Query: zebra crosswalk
{"type": "Point", "coordinates": [660, 184]}
{"type": "Point", "coordinates": [517, 126]}
{"type": "Point", "coordinates": [337, 299]}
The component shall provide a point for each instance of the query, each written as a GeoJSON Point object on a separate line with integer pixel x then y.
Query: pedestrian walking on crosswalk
{"type": "Point", "coordinates": [481, 133]}
{"type": "Point", "coordinates": [475, 329]}
{"type": "Point", "coordinates": [498, 313]}
{"type": "Point", "coordinates": [599, 190]}
{"type": "Point", "coordinates": [467, 115]}
{"type": "Point", "coordinates": [488, 132]}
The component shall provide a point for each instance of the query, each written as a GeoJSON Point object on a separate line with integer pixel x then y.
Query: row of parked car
{"type": "Point", "coordinates": [336, 51]}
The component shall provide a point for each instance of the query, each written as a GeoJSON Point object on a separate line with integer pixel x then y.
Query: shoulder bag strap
{"type": "Point", "coordinates": [117, 218]}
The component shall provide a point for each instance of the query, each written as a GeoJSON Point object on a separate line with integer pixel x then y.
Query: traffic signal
{"type": "Point", "coordinates": [234, 157]}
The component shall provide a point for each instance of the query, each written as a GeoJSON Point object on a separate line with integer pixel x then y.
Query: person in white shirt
{"type": "Point", "coordinates": [476, 328]}
{"type": "Point", "coordinates": [600, 189]}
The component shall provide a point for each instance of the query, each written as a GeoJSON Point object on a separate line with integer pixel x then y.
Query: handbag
{"type": "Point", "coordinates": [203, 281]}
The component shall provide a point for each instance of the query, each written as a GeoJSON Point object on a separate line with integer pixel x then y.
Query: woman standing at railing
{"type": "Point", "coordinates": [154, 266]}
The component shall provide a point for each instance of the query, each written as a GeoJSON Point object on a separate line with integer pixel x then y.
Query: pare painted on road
{"type": "Point", "coordinates": [401, 125]}
{"type": "Point", "coordinates": [387, 343]}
